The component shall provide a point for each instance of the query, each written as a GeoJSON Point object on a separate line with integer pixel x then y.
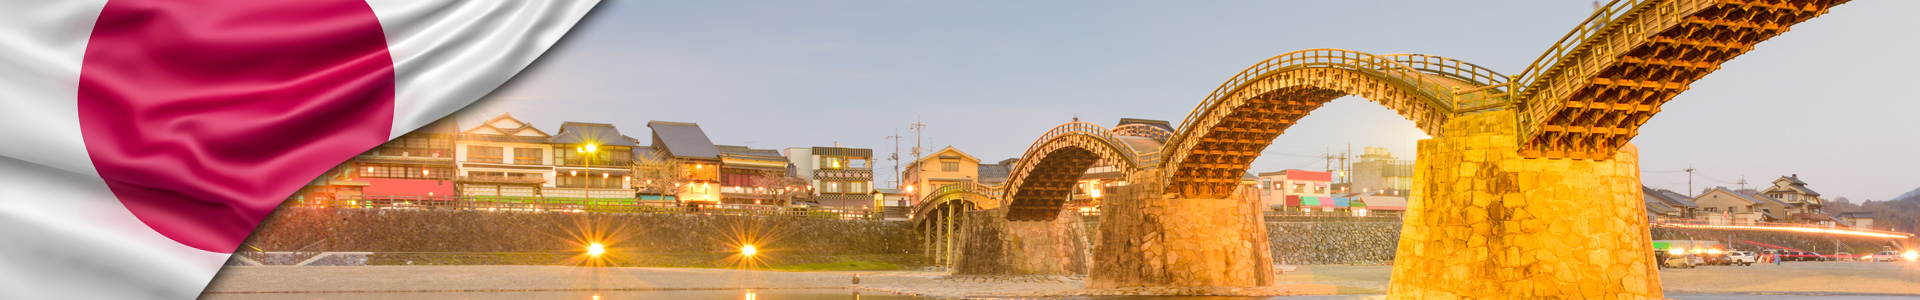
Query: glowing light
{"type": "Point", "coordinates": [595, 249]}
{"type": "Point", "coordinates": [1676, 251]}
{"type": "Point", "coordinates": [748, 250]}
{"type": "Point", "coordinates": [423, 173]}
{"type": "Point", "coordinates": [591, 148]}
{"type": "Point", "coordinates": [1713, 251]}
{"type": "Point", "coordinates": [1910, 255]}
{"type": "Point", "coordinates": [1794, 229]}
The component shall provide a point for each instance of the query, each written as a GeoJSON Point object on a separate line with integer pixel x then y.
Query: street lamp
{"type": "Point", "coordinates": [587, 161]}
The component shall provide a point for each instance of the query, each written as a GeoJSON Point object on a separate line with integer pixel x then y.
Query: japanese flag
{"type": "Point", "coordinates": [142, 140]}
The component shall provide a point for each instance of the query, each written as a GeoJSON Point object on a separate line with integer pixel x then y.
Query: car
{"type": "Point", "coordinates": [1813, 256]}
{"type": "Point", "coordinates": [1742, 258]}
{"type": "Point", "coordinates": [1886, 256]}
{"type": "Point", "coordinates": [1680, 261]}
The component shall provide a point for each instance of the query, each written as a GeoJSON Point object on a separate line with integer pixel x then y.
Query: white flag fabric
{"type": "Point", "coordinates": [144, 139]}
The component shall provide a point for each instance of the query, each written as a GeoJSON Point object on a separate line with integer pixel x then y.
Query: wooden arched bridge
{"type": "Point", "coordinates": [1500, 144]}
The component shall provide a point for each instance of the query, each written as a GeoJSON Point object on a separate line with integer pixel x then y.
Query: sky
{"type": "Point", "coordinates": [1827, 101]}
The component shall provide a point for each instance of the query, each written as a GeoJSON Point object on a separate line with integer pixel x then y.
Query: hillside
{"type": "Point", "coordinates": [1910, 195]}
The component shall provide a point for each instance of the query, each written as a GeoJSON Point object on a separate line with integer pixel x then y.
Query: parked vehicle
{"type": "Point", "coordinates": [1743, 258]}
{"type": "Point", "coordinates": [1680, 261]}
{"type": "Point", "coordinates": [1886, 256]}
{"type": "Point", "coordinates": [1842, 256]}
{"type": "Point", "coordinates": [1814, 256]}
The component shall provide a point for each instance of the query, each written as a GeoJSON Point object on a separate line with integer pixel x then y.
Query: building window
{"type": "Point", "coordinates": [948, 166]}
{"type": "Point", "coordinates": [526, 156]}
{"type": "Point", "coordinates": [856, 187]}
{"type": "Point", "coordinates": [483, 154]}
{"type": "Point", "coordinates": [403, 171]}
{"type": "Point", "coordinates": [833, 162]}
{"type": "Point", "coordinates": [857, 163]}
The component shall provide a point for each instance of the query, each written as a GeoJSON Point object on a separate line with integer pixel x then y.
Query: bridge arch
{"type": "Point", "coordinates": [1218, 141]}
{"type": "Point", "coordinates": [1038, 185]}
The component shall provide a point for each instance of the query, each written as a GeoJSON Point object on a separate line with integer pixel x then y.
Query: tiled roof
{"type": "Point", "coordinates": [1155, 123]}
{"type": "Point", "coordinates": [683, 139]}
{"type": "Point", "coordinates": [644, 153]}
{"type": "Point", "coordinates": [995, 171]}
{"type": "Point", "coordinates": [1794, 179]}
{"type": "Point", "coordinates": [595, 133]}
{"type": "Point", "coordinates": [1678, 199]}
{"type": "Point", "coordinates": [1757, 197]}
{"type": "Point", "coordinates": [1671, 198]}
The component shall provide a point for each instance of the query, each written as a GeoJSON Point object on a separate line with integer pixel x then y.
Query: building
{"type": "Point", "coordinates": [1859, 219]}
{"type": "Point", "coordinates": [591, 160]}
{"type": "Point", "coordinates": [649, 169]}
{"type": "Point", "coordinates": [997, 173]}
{"type": "Point", "coordinates": [751, 176]}
{"type": "Point", "coordinates": [503, 157]}
{"type": "Point", "coordinates": [942, 167]}
{"type": "Point", "coordinates": [1663, 203]}
{"type": "Point", "coordinates": [839, 177]}
{"type": "Point", "coordinates": [416, 165]}
{"type": "Point", "coordinates": [690, 162]}
{"type": "Point", "coordinates": [1378, 170]}
{"type": "Point", "coordinates": [894, 203]}
{"type": "Point", "coordinates": [1722, 206]}
{"type": "Point", "coordinates": [1807, 205]}
{"type": "Point", "coordinates": [1377, 204]}
{"type": "Point", "coordinates": [1299, 191]}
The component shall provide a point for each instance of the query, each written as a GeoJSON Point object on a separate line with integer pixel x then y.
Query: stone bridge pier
{"type": "Point", "coordinates": [1490, 224]}
{"type": "Point", "coordinates": [1150, 239]}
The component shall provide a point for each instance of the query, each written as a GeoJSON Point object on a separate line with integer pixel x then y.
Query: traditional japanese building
{"type": "Point", "coordinates": [751, 176]}
{"type": "Point", "coordinates": [416, 165]}
{"type": "Point", "coordinates": [690, 162]}
{"type": "Point", "coordinates": [591, 160]}
{"type": "Point", "coordinates": [1808, 206]}
{"type": "Point", "coordinates": [503, 157]}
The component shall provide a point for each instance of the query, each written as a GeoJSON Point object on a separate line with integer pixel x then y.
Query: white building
{"type": "Point", "coordinates": [503, 157]}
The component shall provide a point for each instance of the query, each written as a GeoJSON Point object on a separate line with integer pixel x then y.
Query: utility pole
{"type": "Point", "coordinates": [895, 157]}
{"type": "Point", "coordinates": [918, 128]}
{"type": "Point", "coordinates": [1329, 156]}
{"type": "Point", "coordinates": [1742, 182]}
{"type": "Point", "coordinates": [1690, 170]}
{"type": "Point", "coordinates": [1346, 166]}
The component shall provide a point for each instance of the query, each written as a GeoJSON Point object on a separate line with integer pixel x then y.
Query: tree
{"type": "Point", "coordinates": [654, 174]}
{"type": "Point", "coordinates": [780, 185]}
